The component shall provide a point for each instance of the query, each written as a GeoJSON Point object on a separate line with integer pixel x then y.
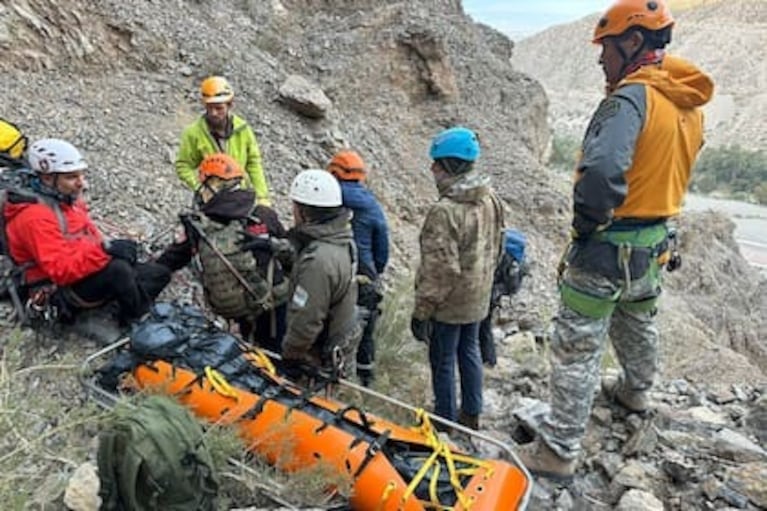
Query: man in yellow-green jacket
{"type": "Point", "coordinates": [219, 130]}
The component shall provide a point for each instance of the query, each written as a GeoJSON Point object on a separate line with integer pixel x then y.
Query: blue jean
{"type": "Point", "coordinates": [448, 344]}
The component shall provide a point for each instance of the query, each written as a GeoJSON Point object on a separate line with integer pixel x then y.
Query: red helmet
{"type": "Point", "coordinates": [347, 166]}
{"type": "Point", "coordinates": [653, 15]}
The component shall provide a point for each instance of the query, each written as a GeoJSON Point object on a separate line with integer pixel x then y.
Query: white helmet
{"type": "Point", "coordinates": [316, 187]}
{"type": "Point", "coordinates": [55, 156]}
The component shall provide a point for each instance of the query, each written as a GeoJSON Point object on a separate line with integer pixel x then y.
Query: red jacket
{"type": "Point", "coordinates": [34, 236]}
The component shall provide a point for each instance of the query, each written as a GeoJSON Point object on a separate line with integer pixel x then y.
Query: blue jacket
{"type": "Point", "coordinates": [371, 234]}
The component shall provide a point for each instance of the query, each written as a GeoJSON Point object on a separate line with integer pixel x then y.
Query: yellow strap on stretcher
{"type": "Point", "coordinates": [219, 383]}
{"type": "Point", "coordinates": [261, 360]}
{"type": "Point", "coordinates": [442, 449]}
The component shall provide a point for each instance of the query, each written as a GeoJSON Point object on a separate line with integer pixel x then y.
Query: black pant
{"type": "Point", "coordinates": [267, 330]}
{"type": "Point", "coordinates": [132, 287]}
{"type": "Point", "coordinates": [177, 255]}
{"type": "Point", "coordinates": [486, 341]}
{"type": "Point", "coordinates": [368, 300]}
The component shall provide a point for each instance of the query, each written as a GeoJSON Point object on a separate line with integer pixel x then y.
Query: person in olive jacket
{"type": "Point", "coordinates": [322, 326]}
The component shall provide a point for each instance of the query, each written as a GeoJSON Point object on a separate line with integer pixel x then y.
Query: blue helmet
{"type": "Point", "coordinates": [455, 142]}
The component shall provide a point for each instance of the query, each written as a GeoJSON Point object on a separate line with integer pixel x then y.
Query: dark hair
{"type": "Point", "coordinates": [656, 39]}
{"type": "Point", "coordinates": [318, 214]}
{"type": "Point", "coordinates": [455, 166]}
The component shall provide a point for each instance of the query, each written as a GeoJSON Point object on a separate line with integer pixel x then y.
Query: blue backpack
{"type": "Point", "coordinates": [512, 267]}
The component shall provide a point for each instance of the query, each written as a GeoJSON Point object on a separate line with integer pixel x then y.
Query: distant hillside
{"type": "Point", "coordinates": [727, 39]}
{"type": "Point", "coordinates": [680, 5]}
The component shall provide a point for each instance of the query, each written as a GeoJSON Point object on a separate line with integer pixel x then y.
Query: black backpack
{"type": "Point", "coordinates": [15, 187]}
{"type": "Point", "coordinates": [512, 266]}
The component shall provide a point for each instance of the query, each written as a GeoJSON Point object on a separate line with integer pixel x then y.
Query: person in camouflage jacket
{"type": "Point", "coordinates": [227, 232]}
{"type": "Point", "coordinates": [460, 242]}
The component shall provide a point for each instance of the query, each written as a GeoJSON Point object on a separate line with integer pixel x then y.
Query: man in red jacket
{"type": "Point", "coordinates": [52, 237]}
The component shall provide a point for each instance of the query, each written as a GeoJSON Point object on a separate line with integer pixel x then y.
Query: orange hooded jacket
{"type": "Point", "coordinates": [641, 144]}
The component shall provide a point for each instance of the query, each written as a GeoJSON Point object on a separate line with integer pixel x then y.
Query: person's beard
{"type": "Point", "coordinates": [218, 124]}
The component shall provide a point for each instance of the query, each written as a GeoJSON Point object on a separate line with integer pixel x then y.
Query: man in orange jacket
{"type": "Point", "coordinates": [637, 157]}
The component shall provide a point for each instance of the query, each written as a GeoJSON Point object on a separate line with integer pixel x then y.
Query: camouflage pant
{"type": "Point", "coordinates": [578, 343]}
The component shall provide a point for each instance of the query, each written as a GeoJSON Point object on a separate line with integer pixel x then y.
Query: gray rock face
{"type": "Point", "coordinates": [119, 80]}
{"type": "Point", "coordinates": [735, 446]}
{"type": "Point", "coordinates": [637, 500]}
{"type": "Point", "coordinates": [756, 421]}
{"type": "Point", "coordinates": [304, 98]}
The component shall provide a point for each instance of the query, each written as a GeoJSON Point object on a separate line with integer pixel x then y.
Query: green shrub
{"type": "Point", "coordinates": [564, 152]}
{"type": "Point", "coordinates": [733, 171]}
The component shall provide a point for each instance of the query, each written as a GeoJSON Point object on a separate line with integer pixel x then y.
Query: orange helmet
{"type": "Point", "coordinates": [221, 166]}
{"type": "Point", "coordinates": [215, 89]}
{"type": "Point", "coordinates": [653, 15]}
{"type": "Point", "coordinates": [347, 166]}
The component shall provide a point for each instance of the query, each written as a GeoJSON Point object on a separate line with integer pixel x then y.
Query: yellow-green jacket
{"type": "Point", "coordinates": [197, 142]}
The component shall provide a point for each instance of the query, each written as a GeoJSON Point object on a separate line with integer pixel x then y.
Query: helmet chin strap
{"type": "Point", "coordinates": [52, 191]}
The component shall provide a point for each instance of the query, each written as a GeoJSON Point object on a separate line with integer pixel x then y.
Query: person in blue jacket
{"type": "Point", "coordinates": [371, 235]}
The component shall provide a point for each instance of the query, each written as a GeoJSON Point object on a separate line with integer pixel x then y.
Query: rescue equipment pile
{"type": "Point", "coordinates": [177, 351]}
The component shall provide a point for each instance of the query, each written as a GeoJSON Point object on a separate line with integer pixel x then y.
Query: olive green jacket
{"type": "Point", "coordinates": [321, 310]}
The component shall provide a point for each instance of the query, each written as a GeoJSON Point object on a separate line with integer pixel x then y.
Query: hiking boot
{"type": "Point", "coordinates": [442, 428]}
{"type": "Point", "coordinates": [542, 461]}
{"type": "Point", "coordinates": [365, 376]}
{"type": "Point", "coordinates": [470, 421]}
{"type": "Point", "coordinates": [614, 390]}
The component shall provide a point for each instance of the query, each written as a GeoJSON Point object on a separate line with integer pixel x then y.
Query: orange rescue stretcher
{"type": "Point", "coordinates": [391, 467]}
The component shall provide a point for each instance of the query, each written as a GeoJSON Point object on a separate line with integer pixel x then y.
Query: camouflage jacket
{"type": "Point", "coordinates": [460, 246]}
{"type": "Point", "coordinates": [321, 310]}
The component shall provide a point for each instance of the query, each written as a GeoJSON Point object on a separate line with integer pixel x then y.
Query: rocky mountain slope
{"type": "Point", "coordinates": [119, 79]}
{"type": "Point", "coordinates": [726, 39]}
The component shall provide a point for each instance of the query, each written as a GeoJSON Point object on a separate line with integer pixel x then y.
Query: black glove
{"type": "Point", "coordinates": [421, 329]}
{"type": "Point", "coordinates": [587, 221]}
{"type": "Point", "coordinates": [291, 368]}
{"type": "Point", "coordinates": [369, 294]}
{"type": "Point", "coordinates": [122, 249]}
{"type": "Point", "coordinates": [254, 242]}
{"type": "Point", "coordinates": [269, 217]}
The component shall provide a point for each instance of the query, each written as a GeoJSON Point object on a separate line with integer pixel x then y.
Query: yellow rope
{"type": "Point", "coordinates": [261, 360]}
{"type": "Point", "coordinates": [219, 383]}
{"type": "Point", "coordinates": [442, 449]}
{"type": "Point", "coordinates": [433, 484]}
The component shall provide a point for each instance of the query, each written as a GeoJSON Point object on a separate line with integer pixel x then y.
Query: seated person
{"type": "Point", "coordinates": [13, 144]}
{"type": "Point", "coordinates": [241, 278]}
{"type": "Point", "coordinates": [51, 236]}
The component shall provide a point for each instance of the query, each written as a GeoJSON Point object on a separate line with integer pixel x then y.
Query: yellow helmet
{"type": "Point", "coordinates": [12, 141]}
{"type": "Point", "coordinates": [215, 89]}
